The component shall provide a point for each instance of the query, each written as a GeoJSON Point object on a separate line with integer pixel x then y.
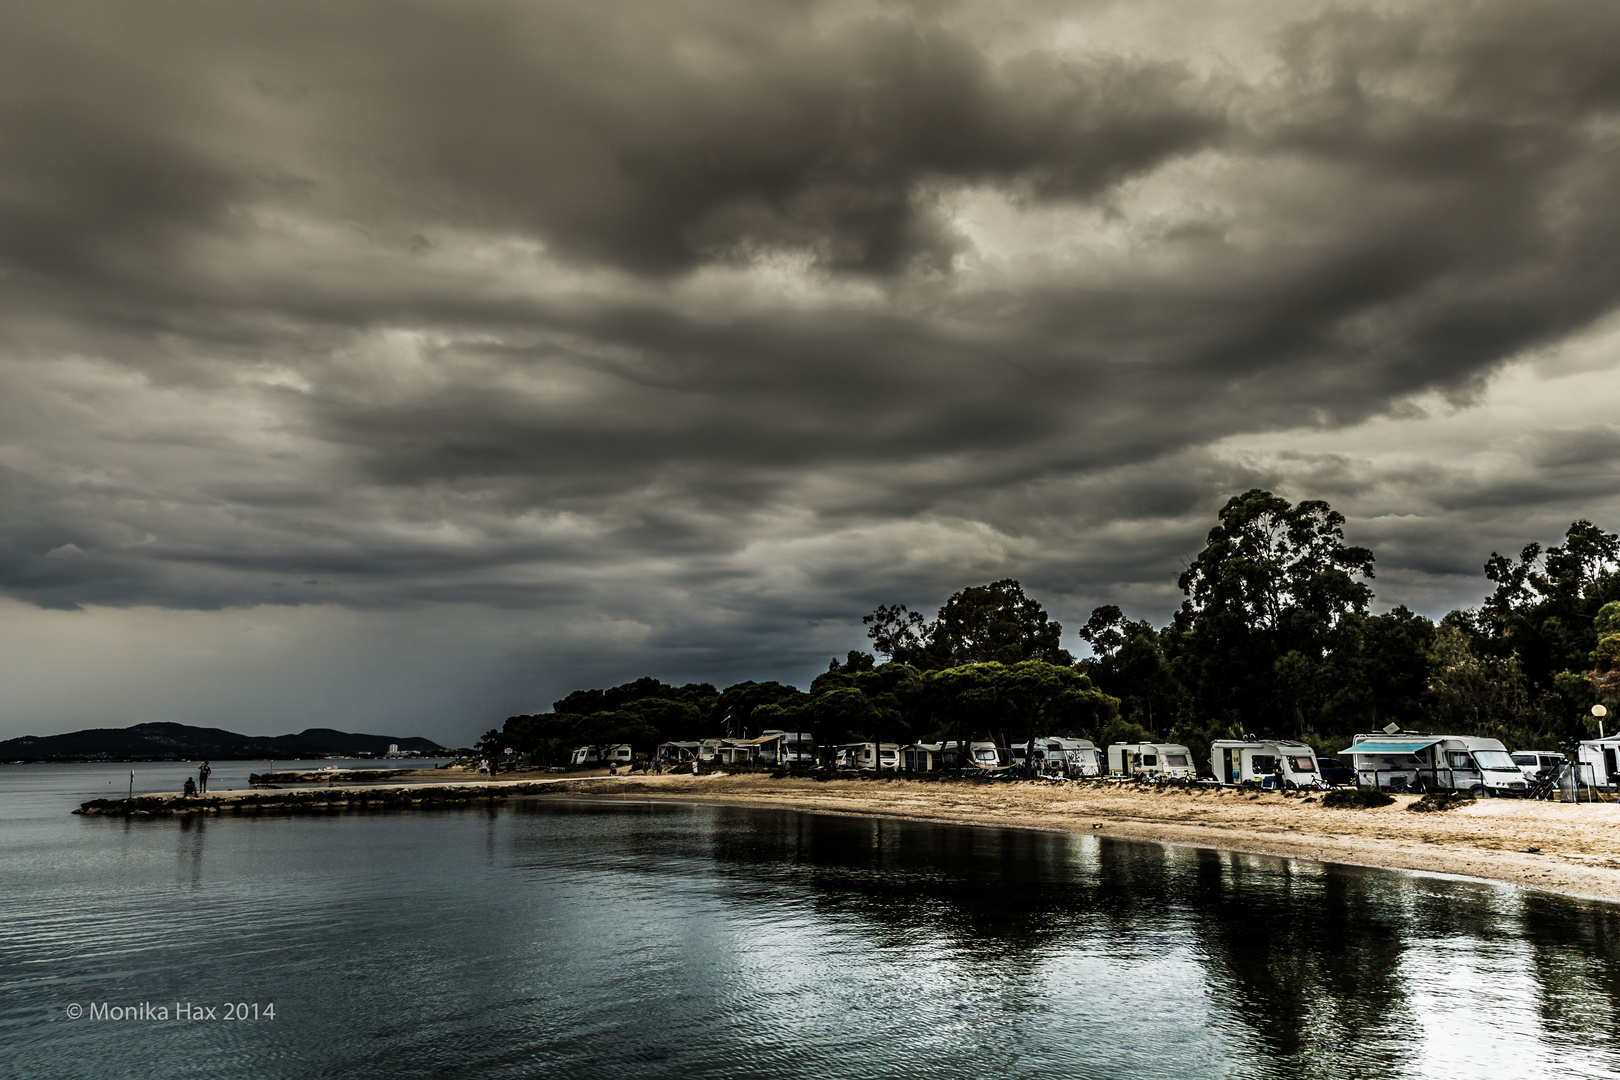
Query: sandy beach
{"type": "Point", "coordinates": [1572, 849]}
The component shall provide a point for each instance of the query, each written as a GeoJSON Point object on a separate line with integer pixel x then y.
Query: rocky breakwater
{"type": "Point", "coordinates": [314, 801]}
{"type": "Point", "coordinates": [330, 776]}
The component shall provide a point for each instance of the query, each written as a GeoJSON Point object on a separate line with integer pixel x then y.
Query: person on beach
{"type": "Point", "coordinates": [204, 771]}
{"type": "Point", "coordinates": [190, 787]}
{"type": "Point", "coordinates": [483, 766]}
{"type": "Point", "coordinates": [1277, 778]}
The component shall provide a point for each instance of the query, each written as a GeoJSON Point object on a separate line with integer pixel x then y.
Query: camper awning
{"type": "Point", "coordinates": [1390, 746]}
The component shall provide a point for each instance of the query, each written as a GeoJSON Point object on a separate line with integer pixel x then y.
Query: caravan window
{"type": "Point", "coordinates": [1262, 763]}
{"type": "Point", "coordinates": [1460, 759]}
{"type": "Point", "coordinates": [1304, 764]}
{"type": "Point", "coordinates": [1176, 761]}
{"type": "Point", "coordinates": [1529, 760]}
{"type": "Point", "coordinates": [1150, 761]}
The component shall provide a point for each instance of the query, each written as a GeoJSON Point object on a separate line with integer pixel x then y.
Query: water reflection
{"type": "Point", "coordinates": [578, 940]}
{"type": "Point", "coordinates": [1301, 969]}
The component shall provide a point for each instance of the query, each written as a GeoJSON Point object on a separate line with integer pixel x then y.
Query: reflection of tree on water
{"type": "Point", "coordinates": [1575, 960]}
{"type": "Point", "coordinates": [1307, 961]}
{"type": "Point", "coordinates": [1304, 970]}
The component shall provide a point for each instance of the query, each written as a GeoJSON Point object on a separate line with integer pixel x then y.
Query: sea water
{"type": "Point", "coordinates": [552, 938]}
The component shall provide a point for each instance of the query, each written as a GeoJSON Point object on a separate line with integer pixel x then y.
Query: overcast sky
{"type": "Point", "coordinates": [400, 366]}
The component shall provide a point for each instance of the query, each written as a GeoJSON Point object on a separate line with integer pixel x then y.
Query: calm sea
{"type": "Point", "coordinates": [574, 939]}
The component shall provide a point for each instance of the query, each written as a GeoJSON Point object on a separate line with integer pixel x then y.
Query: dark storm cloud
{"type": "Point", "coordinates": [716, 323]}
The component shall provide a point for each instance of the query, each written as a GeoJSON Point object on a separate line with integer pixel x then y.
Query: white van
{"type": "Point", "coordinates": [1240, 761]}
{"type": "Point", "coordinates": [1407, 761]}
{"type": "Point", "coordinates": [1531, 762]}
{"type": "Point", "coordinates": [1151, 759]}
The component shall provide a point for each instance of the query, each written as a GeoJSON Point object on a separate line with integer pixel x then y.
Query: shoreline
{"type": "Point", "coordinates": [1577, 844]}
{"type": "Point", "coordinates": [1570, 849]}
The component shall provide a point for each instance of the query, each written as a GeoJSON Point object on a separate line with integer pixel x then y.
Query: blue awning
{"type": "Point", "coordinates": [1389, 746]}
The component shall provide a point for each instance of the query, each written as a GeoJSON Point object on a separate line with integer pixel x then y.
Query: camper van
{"type": "Point", "coordinates": [1239, 761]}
{"type": "Point", "coordinates": [1058, 756]}
{"type": "Point", "coordinates": [1597, 762]}
{"type": "Point", "coordinates": [1151, 759]}
{"type": "Point", "coordinates": [1407, 761]}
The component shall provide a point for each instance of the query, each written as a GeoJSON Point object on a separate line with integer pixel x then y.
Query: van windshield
{"type": "Point", "coordinates": [1495, 759]}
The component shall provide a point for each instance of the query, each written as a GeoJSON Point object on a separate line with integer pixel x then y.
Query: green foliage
{"type": "Point", "coordinates": [1355, 799]}
{"type": "Point", "coordinates": [986, 623]}
{"type": "Point", "coordinates": [1274, 638]}
{"type": "Point", "coordinates": [1544, 614]}
{"type": "Point", "coordinates": [1273, 601]}
{"type": "Point", "coordinates": [1128, 662]}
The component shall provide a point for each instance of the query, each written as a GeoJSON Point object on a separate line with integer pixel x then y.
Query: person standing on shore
{"type": "Point", "coordinates": [1277, 779]}
{"type": "Point", "coordinates": [204, 771]}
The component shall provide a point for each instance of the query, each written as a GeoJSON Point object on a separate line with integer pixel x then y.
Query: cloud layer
{"type": "Point", "coordinates": [681, 334]}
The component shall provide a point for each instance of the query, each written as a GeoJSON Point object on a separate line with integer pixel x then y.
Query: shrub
{"type": "Point", "coordinates": [1441, 800]}
{"type": "Point", "coordinates": [1355, 799]}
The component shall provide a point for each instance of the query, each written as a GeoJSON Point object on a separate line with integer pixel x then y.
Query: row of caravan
{"type": "Point", "coordinates": [1393, 761]}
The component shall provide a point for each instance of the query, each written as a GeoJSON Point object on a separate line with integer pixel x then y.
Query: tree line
{"type": "Point", "coordinates": [1274, 637]}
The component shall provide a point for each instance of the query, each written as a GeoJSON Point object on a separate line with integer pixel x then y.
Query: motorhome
{"type": "Point", "coordinates": [1408, 761]}
{"type": "Point", "coordinates": [1058, 756]}
{"type": "Point", "coordinates": [1241, 761]}
{"type": "Point", "coordinates": [1597, 762]}
{"type": "Point", "coordinates": [866, 755]}
{"type": "Point", "coordinates": [1151, 759]}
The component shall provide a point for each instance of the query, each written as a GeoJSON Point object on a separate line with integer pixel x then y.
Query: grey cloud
{"type": "Point", "coordinates": [720, 322]}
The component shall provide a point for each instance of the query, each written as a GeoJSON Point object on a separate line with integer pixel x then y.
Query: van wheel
{"type": "Point", "coordinates": [1477, 790]}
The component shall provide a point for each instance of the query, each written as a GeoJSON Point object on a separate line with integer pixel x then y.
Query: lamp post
{"type": "Point", "coordinates": [1600, 712]}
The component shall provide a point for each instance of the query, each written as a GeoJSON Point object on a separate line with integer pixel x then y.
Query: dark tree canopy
{"type": "Point", "coordinates": [1274, 638]}
{"type": "Point", "coordinates": [986, 623]}
{"type": "Point", "coordinates": [1270, 599]}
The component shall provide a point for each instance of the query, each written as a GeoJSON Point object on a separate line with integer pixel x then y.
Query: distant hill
{"type": "Point", "coordinates": [162, 742]}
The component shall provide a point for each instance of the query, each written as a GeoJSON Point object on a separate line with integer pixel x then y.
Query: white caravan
{"type": "Point", "coordinates": [619, 753]}
{"type": "Point", "coordinates": [788, 747]}
{"type": "Point", "coordinates": [985, 755]}
{"type": "Point", "coordinates": [865, 755]}
{"type": "Point", "coordinates": [1239, 761]}
{"type": "Point", "coordinates": [1151, 759]}
{"type": "Point", "coordinates": [1057, 756]}
{"type": "Point", "coordinates": [1406, 761]}
{"type": "Point", "coordinates": [1597, 762]}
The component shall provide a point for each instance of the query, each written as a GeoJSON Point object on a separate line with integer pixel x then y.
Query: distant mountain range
{"type": "Point", "coordinates": [164, 742]}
